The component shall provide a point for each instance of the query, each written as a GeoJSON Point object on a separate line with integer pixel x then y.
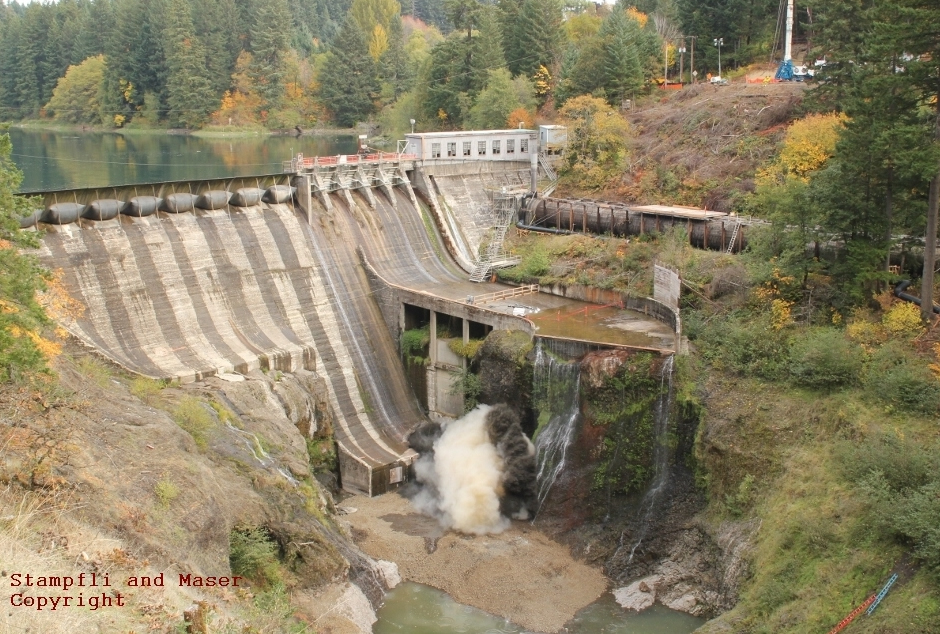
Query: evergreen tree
{"type": "Point", "coordinates": [349, 79]}
{"type": "Point", "coordinates": [623, 73]}
{"type": "Point", "coordinates": [269, 45]}
{"type": "Point", "coordinates": [189, 91]}
{"type": "Point", "coordinates": [495, 102]}
{"type": "Point", "coordinates": [539, 36]}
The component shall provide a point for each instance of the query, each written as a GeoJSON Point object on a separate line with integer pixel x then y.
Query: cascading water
{"type": "Point", "coordinates": [662, 414]}
{"type": "Point", "coordinates": [556, 393]}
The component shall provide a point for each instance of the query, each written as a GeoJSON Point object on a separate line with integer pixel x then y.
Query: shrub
{"type": "Point", "coordinates": [746, 345]}
{"type": "Point", "coordinates": [823, 357]}
{"type": "Point", "coordinates": [466, 350]}
{"type": "Point", "coordinates": [903, 321]}
{"type": "Point", "coordinates": [897, 376]}
{"type": "Point", "coordinates": [254, 554]}
{"type": "Point", "coordinates": [195, 419]}
{"type": "Point", "coordinates": [166, 491]}
{"type": "Point", "coordinates": [414, 343]}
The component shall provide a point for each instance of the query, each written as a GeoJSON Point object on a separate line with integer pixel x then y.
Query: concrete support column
{"type": "Point", "coordinates": [305, 196]}
{"type": "Point", "coordinates": [466, 338]}
{"type": "Point", "coordinates": [433, 338]}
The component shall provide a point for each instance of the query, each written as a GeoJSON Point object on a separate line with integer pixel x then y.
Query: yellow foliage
{"type": "Point", "coordinates": [634, 14]}
{"type": "Point", "coordinates": [378, 43]}
{"type": "Point", "coordinates": [866, 333]}
{"type": "Point", "coordinates": [56, 301]}
{"type": "Point", "coordinates": [809, 143]}
{"type": "Point", "coordinates": [47, 348]}
{"type": "Point", "coordinates": [780, 314]}
{"type": "Point", "coordinates": [903, 321]}
{"type": "Point", "coordinates": [543, 81]}
{"type": "Point", "coordinates": [119, 120]}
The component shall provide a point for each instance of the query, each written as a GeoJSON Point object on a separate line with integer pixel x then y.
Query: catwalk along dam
{"type": "Point", "coordinates": [319, 268]}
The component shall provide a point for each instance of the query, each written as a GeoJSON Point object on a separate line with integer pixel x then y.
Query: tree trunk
{"type": "Point", "coordinates": [930, 239]}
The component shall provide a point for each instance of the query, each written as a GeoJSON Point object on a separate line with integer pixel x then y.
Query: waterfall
{"type": "Point", "coordinates": [556, 393]}
{"type": "Point", "coordinates": [661, 414]}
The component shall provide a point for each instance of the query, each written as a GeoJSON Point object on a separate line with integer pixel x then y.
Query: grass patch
{"type": "Point", "coordinates": [147, 390]}
{"type": "Point", "coordinates": [166, 491]}
{"type": "Point", "coordinates": [194, 418]}
{"type": "Point", "coordinates": [96, 371]}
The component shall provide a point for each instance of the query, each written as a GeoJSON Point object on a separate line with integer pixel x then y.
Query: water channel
{"type": "Point", "coordinates": [52, 160]}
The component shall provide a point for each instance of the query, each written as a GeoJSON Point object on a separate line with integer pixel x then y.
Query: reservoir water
{"type": "Point", "coordinates": [419, 609]}
{"type": "Point", "coordinates": [52, 160]}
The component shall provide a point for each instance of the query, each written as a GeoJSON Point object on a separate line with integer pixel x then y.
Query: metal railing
{"type": "Point", "coordinates": [311, 162]}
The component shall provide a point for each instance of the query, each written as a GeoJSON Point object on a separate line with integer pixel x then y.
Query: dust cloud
{"type": "Point", "coordinates": [476, 472]}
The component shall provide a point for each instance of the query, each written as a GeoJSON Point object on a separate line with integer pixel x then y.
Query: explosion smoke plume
{"type": "Point", "coordinates": [475, 472]}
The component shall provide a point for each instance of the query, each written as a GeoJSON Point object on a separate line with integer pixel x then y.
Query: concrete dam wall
{"type": "Point", "coordinates": [189, 295]}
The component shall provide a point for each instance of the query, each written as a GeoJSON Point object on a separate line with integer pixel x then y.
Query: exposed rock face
{"type": "Point", "coordinates": [140, 478]}
{"type": "Point", "coordinates": [506, 373]}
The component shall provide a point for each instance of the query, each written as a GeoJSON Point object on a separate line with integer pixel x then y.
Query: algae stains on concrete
{"type": "Point", "coordinates": [520, 574]}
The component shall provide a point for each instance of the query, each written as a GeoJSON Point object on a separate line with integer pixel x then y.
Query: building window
{"type": "Point", "coordinates": [466, 148]}
{"type": "Point", "coordinates": [481, 148]}
{"type": "Point", "coordinates": [510, 146]}
{"type": "Point", "coordinates": [452, 149]}
{"type": "Point", "coordinates": [435, 150]}
{"type": "Point", "coordinates": [523, 146]}
{"type": "Point", "coordinates": [495, 147]}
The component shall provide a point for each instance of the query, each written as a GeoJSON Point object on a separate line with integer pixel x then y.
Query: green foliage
{"type": "Point", "coordinates": [737, 503]}
{"type": "Point", "coordinates": [900, 481]}
{"type": "Point", "coordinates": [597, 142]}
{"type": "Point", "coordinates": [147, 390]}
{"type": "Point", "coordinates": [166, 491]}
{"type": "Point", "coordinates": [349, 80]}
{"type": "Point", "coordinates": [743, 344]}
{"type": "Point", "coordinates": [77, 96]}
{"type": "Point", "coordinates": [534, 264]}
{"type": "Point", "coordinates": [322, 454]}
{"type": "Point", "coordinates": [470, 386]}
{"type": "Point", "coordinates": [466, 350]}
{"type": "Point", "coordinates": [94, 370]}
{"type": "Point", "coordinates": [253, 553]}
{"type": "Point", "coordinates": [495, 102]}
{"type": "Point", "coordinates": [825, 358]}
{"type": "Point", "coordinates": [189, 89]}
{"type": "Point", "coordinates": [195, 419]}
{"type": "Point", "coordinates": [21, 278]}
{"type": "Point", "coordinates": [900, 378]}
{"type": "Point", "coordinates": [414, 344]}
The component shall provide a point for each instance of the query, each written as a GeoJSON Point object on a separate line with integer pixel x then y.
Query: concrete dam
{"type": "Point", "coordinates": [326, 283]}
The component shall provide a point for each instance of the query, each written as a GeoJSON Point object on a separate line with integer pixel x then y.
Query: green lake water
{"type": "Point", "coordinates": [413, 608]}
{"type": "Point", "coordinates": [52, 160]}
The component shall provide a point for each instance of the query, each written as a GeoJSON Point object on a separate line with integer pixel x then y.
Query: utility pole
{"type": "Point", "coordinates": [692, 61]}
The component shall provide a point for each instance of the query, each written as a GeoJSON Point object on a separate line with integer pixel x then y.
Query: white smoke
{"type": "Point", "coordinates": [463, 477]}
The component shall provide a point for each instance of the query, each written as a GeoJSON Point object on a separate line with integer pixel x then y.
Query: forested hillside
{"type": "Point", "coordinates": [286, 63]}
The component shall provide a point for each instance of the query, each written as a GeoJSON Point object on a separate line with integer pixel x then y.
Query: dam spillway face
{"type": "Point", "coordinates": [187, 295]}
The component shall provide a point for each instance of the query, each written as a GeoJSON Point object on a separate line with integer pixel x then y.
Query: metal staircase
{"type": "Point", "coordinates": [493, 257]}
{"type": "Point", "coordinates": [551, 174]}
{"type": "Point", "coordinates": [734, 236]}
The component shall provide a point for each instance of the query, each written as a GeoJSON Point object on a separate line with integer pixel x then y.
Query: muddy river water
{"type": "Point", "coordinates": [420, 609]}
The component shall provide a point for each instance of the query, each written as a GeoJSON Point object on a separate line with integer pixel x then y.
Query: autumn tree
{"type": "Point", "coordinates": [597, 142]}
{"type": "Point", "coordinates": [76, 98]}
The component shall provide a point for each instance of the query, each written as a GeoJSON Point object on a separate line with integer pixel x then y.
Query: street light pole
{"type": "Point", "coordinates": [718, 42]}
{"type": "Point", "coordinates": [681, 59]}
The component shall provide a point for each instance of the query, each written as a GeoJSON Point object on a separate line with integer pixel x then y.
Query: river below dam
{"type": "Point", "coordinates": [420, 609]}
{"type": "Point", "coordinates": [57, 159]}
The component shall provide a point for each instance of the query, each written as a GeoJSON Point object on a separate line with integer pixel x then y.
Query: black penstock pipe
{"type": "Point", "coordinates": [899, 292]}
